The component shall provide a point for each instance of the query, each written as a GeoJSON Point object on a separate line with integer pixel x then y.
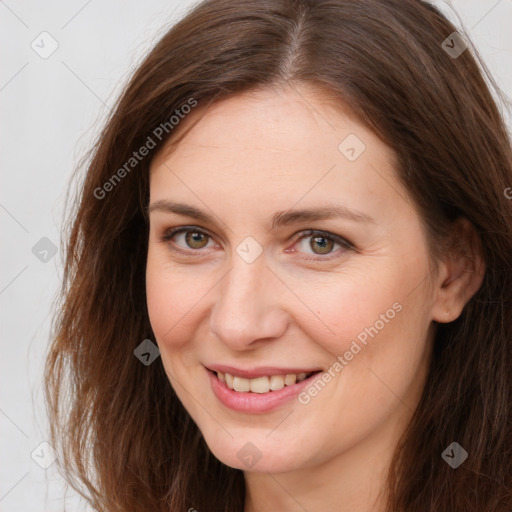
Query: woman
{"type": "Point", "coordinates": [287, 280]}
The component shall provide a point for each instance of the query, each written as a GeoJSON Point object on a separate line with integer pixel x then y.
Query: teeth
{"type": "Point", "coordinates": [276, 382]}
{"type": "Point", "coordinates": [241, 384]}
{"type": "Point", "coordinates": [290, 379]}
{"type": "Point", "coordinates": [260, 384]}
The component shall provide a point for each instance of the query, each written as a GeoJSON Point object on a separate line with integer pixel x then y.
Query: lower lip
{"type": "Point", "coordinates": [256, 402]}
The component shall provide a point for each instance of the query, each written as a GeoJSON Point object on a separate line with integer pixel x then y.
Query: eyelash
{"type": "Point", "coordinates": [345, 244]}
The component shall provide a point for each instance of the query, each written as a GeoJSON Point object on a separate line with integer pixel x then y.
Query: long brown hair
{"type": "Point", "coordinates": [125, 440]}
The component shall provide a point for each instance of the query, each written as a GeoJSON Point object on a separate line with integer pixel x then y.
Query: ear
{"type": "Point", "coordinates": [461, 273]}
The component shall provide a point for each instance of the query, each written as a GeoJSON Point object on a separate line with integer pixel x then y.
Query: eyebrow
{"type": "Point", "coordinates": [282, 218]}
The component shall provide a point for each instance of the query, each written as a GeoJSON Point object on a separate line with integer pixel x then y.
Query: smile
{"type": "Point", "coordinates": [262, 384]}
{"type": "Point", "coordinates": [261, 393]}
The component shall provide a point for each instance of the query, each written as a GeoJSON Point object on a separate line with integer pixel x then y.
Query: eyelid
{"type": "Point", "coordinates": [327, 234]}
{"type": "Point", "coordinates": [169, 233]}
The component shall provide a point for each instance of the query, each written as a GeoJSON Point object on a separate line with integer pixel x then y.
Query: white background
{"type": "Point", "coordinates": [50, 110]}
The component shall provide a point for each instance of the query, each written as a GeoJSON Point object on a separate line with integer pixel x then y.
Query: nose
{"type": "Point", "coordinates": [247, 309]}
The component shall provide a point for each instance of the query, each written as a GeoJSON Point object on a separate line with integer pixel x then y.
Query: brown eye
{"type": "Point", "coordinates": [196, 239]}
{"type": "Point", "coordinates": [184, 238]}
{"type": "Point", "coordinates": [321, 244]}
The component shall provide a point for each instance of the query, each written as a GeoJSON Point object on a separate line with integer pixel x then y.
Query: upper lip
{"type": "Point", "coordinates": [261, 371]}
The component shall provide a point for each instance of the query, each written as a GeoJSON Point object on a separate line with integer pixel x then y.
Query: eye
{"type": "Point", "coordinates": [187, 237]}
{"type": "Point", "coordinates": [322, 243]}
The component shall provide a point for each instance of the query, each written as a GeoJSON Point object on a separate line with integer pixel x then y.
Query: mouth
{"type": "Point", "coordinates": [263, 384]}
{"type": "Point", "coordinates": [258, 391]}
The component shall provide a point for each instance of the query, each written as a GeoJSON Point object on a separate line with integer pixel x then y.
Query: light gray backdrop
{"type": "Point", "coordinates": [62, 66]}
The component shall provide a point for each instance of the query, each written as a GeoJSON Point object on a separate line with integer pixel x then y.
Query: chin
{"type": "Point", "coordinates": [264, 455]}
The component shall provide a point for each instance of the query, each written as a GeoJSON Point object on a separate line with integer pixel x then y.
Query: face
{"type": "Point", "coordinates": [281, 243]}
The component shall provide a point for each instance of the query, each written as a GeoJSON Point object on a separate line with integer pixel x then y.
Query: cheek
{"type": "Point", "coordinates": [347, 306]}
{"type": "Point", "coordinates": [370, 316]}
{"type": "Point", "coordinates": [171, 299]}
{"type": "Point", "coordinates": [379, 353]}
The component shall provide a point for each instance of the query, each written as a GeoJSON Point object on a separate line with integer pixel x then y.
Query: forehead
{"type": "Point", "coordinates": [285, 145]}
{"type": "Point", "coordinates": [271, 120]}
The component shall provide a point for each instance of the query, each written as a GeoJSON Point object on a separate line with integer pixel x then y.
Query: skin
{"type": "Point", "coordinates": [249, 157]}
